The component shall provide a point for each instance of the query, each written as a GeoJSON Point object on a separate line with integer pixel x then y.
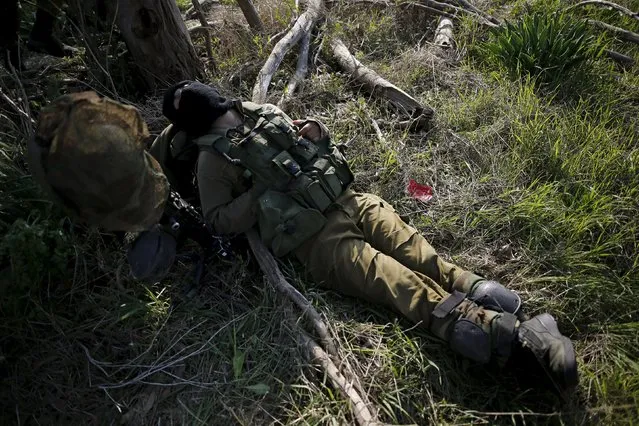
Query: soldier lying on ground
{"type": "Point", "coordinates": [253, 166]}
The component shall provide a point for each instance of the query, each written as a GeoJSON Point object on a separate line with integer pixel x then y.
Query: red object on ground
{"type": "Point", "coordinates": [418, 191]}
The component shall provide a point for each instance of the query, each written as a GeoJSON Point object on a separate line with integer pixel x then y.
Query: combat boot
{"type": "Point", "coordinates": [42, 40]}
{"type": "Point", "coordinates": [482, 335]}
{"type": "Point", "coordinates": [554, 351]}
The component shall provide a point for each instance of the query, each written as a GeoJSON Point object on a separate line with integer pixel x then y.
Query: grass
{"type": "Point", "coordinates": [534, 187]}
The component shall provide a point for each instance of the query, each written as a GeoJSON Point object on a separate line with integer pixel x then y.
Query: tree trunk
{"type": "Point", "coordinates": [251, 15]}
{"type": "Point", "coordinates": [156, 36]}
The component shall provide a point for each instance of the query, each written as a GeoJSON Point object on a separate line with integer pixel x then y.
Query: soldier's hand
{"type": "Point", "coordinates": [310, 130]}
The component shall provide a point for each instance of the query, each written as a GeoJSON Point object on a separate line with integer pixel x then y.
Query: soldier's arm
{"type": "Point", "coordinates": [217, 179]}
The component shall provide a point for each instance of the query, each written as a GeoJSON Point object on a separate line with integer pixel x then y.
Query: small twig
{"type": "Point", "coordinates": [610, 4]}
{"type": "Point", "coordinates": [623, 34]}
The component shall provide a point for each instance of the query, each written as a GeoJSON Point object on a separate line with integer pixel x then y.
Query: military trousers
{"type": "Point", "coordinates": [367, 251]}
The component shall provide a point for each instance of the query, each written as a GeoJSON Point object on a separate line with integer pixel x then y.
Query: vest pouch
{"type": "Point", "coordinates": [279, 132]}
{"type": "Point", "coordinates": [333, 182]}
{"type": "Point", "coordinates": [286, 224]}
{"type": "Point", "coordinates": [304, 149]}
{"type": "Point", "coordinates": [342, 170]}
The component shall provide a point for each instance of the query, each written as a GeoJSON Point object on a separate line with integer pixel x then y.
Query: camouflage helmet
{"type": "Point", "coordinates": [88, 154]}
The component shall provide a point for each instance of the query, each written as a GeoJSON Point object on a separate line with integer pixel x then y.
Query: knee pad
{"type": "Point", "coordinates": [494, 296]}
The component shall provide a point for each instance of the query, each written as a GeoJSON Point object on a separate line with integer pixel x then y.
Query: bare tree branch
{"type": "Point", "coordinates": [375, 83]}
{"type": "Point", "coordinates": [621, 59]}
{"type": "Point", "coordinates": [465, 4]}
{"type": "Point", "coordinates": [303, 25]}
{"type": "Point", "coordinates": [276, 278]}
{"type": "Point", "coordinates": [609, 4]}
{"type": "Point", "coordinates": [360, 411]}
{"type": "Point", "coordinates": [300, 71]}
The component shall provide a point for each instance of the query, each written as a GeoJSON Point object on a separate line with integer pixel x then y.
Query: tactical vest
{"type": "Point", "coordinates": [304, 178]}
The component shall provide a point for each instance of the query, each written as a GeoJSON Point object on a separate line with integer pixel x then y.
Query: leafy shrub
{"type": "Point", "coordinates": [548, 47]}
{"type": "Point", "coordinates": [35, 251]}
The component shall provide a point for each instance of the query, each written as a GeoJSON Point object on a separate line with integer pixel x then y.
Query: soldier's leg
{"type": "Point", "coordinates": [339, 258]}
{"type": "Point", "coordinates": [386, 231]}
{"type": "Point", "coordinates": [9, 28]}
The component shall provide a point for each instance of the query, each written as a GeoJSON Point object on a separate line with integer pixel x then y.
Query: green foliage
{"type": "Point", "coordinates": [547, 47]}
{"type": "Point", "coordinates": [35, 250]}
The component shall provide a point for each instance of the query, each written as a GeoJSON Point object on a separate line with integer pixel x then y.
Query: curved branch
{"type": "Point", "coordinates": [610, 4]}
{"type": "Point", "coordinates": [303, 25]}
{"type": "Point", "coordinates": [274, 275]}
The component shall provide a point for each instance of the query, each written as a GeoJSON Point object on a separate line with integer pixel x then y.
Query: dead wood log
{"type": "Point", "coordinates": [623, 60]}
{"type": "Point", "coordinates": [609, 4]}
{"type": "Point", "coordinates": [300, 71]}
{"type": "Point", "coordinates": [375, 83]}
{"type": "Point", "coordinates": [303, 25]}
{"type": "Point", "coordinates": [623, 34]}
{"type": "Point", "coordinates": [359, 408]}
{"type": "Point", "coordinates": [444, 34]}
{"type": "Point", "coordinates": [250, 13]}
{"type": "Point", "coordinates": [207, 36]}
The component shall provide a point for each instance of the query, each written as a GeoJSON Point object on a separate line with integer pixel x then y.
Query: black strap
{"type": "Point", "coordinates": [448, 305]}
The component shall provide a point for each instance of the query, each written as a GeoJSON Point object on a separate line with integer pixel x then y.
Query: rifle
{"type": "Point", "coordinates": [184, 220]}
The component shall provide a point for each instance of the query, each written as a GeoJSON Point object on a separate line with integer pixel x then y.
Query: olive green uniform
{"type": "Point", "coordinates": [365, 250]}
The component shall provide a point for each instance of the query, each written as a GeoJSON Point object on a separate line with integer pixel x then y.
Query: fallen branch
{"type": "Point", "coordinates": [621, 59]}
{"type": "Point", "coordinates": [429, 5]}
{"type": "Point", "coordinates": [207, 36]}
{"type": "Point", "coordinates": [444, 34]}
{"type": "Point", "coordinates": [303, 25]}
{"type": "Point", "coordinates": [609, 4]}
{"type": "Point", "coordinates": [375, 83]}
{"type": "Point", "coordinates": [269, 266]}
{"type": "Point", "coordinates": [360, 411]}
{"type": "Point", "coordinates": [465, 4]}
{"type": "Point", "coordinates": [623, 34]}
{"type": "Point", "coordinates": [300, 71]}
